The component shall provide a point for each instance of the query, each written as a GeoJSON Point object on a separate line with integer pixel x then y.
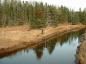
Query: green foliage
{"type": "Point", "coordinates": [37, 15]}
{"type": "Point", "coordinates": [63, 14]}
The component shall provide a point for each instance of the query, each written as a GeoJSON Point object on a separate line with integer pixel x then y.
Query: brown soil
{"type": "Point", "coordinates": [15, 38]}
{"type": "Point", "coordinates": [82, 52]}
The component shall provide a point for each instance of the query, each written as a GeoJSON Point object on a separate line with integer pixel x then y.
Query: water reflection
{"type": "Point", "coordinates": [59, 50]}
{"type": "Point", "coordinates": [50, 44]}
{"type": "Point", "coordinates": [38, 51]}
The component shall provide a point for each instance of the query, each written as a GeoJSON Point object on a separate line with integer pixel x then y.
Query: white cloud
{"type": "Point", "coordinates": [74, 4]}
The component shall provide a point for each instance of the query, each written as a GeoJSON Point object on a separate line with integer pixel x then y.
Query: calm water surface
{"type": "Point", "coordinates": [60, 50]}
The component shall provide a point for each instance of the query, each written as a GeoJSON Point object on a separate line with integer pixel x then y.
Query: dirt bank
{"type": "Point", "coordinates": [82, 51]}
{"type": "Point", "coordinates": [16, 38]}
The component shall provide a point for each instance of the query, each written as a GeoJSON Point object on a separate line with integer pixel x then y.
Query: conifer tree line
{"type": "Point", "coordinates": [37, 15]}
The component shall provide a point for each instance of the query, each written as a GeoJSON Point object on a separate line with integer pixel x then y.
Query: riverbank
{"type": "Point", "coordinates": [82, 51]}
{"type": "Point", "coordinates": [16, 38]}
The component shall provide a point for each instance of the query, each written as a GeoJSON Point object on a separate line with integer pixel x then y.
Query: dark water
{"type": "Point", "coordinates": [60, 50]}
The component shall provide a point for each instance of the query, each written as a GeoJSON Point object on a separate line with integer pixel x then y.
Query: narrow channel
{"type": "Point", "coordinates": [60, 50]}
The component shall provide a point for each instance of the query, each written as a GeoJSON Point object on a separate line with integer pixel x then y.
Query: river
{"type": "Point", "coordinates": [58, 50]}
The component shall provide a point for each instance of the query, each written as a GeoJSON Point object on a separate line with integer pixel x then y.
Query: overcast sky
{"type": "Point", "coordinates": [74, 4]}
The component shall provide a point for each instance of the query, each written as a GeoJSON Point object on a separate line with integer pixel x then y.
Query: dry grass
{"type": "Point", "coordinates": [15, 36]}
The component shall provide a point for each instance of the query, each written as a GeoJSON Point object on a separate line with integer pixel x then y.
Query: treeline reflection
{"type": "Point", "coordinates": [50, 44]}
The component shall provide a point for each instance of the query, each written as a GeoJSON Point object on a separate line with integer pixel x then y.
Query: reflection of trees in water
{"type": "Point", "coordinates": [50, 44]}
{"type": "Point", "coordinates": [39, 51]}
{"type": "Point", "coordinates": [68, 37]}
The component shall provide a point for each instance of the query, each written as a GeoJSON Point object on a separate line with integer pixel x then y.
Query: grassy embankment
{"type": "Point", "coordinates": [15, 38]}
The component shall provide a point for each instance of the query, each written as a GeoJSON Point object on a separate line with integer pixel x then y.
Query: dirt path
{"type": "Point", "coordinates": [15, 38]}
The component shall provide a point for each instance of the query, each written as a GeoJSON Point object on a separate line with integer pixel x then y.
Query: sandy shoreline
{"type": "Point", "coordinates": [13, 40]}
